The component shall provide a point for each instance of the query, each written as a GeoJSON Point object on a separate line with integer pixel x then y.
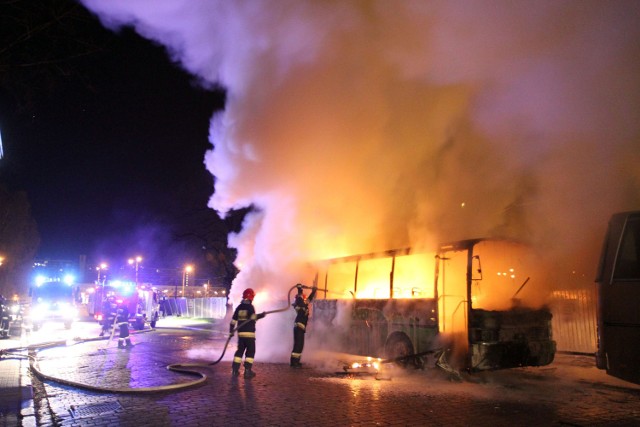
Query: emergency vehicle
{"type": "Point", "coordinates": [53, 300]}
{"type": "Point", "coordinates": [141, 302]}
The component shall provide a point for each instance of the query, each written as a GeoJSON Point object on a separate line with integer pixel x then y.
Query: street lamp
{"type": "Point", "coordinates": [185, 277]}
{"type": "Point", "coordinates": [137, 261]}
{"type": "Point", "coordinates": [101, 267]}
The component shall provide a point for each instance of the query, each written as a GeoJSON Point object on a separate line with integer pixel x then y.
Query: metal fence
{"type": "Point", "coordinates": [574, 320]}
{"type": "Point", "coordinates": [201, 308]}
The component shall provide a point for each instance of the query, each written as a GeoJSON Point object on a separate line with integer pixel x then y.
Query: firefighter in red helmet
{"type": "Point", "coordinates": [301, 306]}
{"type": "Point", "coordinates": [244, 319]}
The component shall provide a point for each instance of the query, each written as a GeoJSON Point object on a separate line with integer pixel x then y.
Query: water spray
{"type": "Point", "coordinates": [280, 310]}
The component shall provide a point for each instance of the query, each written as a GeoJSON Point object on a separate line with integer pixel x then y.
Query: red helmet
{"type": "Point", "coordinates": [248, 294]}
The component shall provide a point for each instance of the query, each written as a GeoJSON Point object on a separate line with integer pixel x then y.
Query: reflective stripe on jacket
{"type": "Point", "coordinates": [245, 311]}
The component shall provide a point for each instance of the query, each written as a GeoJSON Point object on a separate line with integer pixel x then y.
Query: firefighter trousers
{"type": "Point", "coordinates": [246, 347]}
{"type": "Point", "coordinates": [298, 344]}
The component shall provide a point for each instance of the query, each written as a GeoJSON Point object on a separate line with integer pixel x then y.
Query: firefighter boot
{"type": "Point", "coordinates": [121, 343]}
{"type": "Point", "coordinates": [235, 369]}
{"type": "Point", "coordinates": [295, 362]}
{"type": "Point", "coordinates": [128, 342]}
{"type": "Point", "coordinates": [248, 373]}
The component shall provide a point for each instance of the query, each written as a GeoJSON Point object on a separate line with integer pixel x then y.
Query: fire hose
{"type": "Point", "coordinates": [182, 368]}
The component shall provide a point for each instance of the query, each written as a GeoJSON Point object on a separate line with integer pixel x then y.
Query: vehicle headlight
{"type": "Point", "coordinates": [39, 311]}
{"type": "Point", "coordinates": [70, 312]}
{"type": "Point", "coordinates": [42, 307]}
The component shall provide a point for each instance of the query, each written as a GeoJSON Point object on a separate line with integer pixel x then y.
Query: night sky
{"type": "Point", "coordinates": [111, 153]}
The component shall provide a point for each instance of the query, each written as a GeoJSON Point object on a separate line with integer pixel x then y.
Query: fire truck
{"type": "Point", "coordinates": [141, 302]}
{"type": "Point", "coordinates": [53, 300]}
{"type": "Point", "coordinates": [461, 301]}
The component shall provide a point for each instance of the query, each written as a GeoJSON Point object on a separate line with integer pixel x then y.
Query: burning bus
{"type": "Point", "coordinates": [461, 301]}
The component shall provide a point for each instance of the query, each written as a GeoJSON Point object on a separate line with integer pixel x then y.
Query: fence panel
{"type": "Point", "coordinates": [574, 320]}
{"type": "Point", "coordinates": [198, 308]}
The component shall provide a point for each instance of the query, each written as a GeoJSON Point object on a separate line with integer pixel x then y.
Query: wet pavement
{"type": "Point", "coordinates": [571, 391]}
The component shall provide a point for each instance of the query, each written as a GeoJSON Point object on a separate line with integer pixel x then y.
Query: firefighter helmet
{"type": "Point", "coordinates": [248, 294]}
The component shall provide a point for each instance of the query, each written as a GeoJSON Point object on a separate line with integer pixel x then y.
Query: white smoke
{"type": "Point", "coordinates": [356, 126]}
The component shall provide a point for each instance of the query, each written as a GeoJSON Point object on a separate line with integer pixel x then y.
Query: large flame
{"type": "Point", "coordinates": [413, 277]}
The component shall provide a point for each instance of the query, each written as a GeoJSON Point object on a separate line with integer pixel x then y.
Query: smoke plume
{"type": "Point", "coordinates": [356, 126]}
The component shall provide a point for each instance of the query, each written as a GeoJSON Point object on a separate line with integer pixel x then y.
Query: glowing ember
{"type": "Point", "coordinates": [370, 366]}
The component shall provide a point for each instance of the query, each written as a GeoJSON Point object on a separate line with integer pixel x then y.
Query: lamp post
{"type": "Point", "coordinates": [185, 277]}
{"type": "Point", "coordinates": [137, 261]}
{"type": "Point", "coordinates": [2, 279]}
{"type": "Point", "coordinates": [101, 267]}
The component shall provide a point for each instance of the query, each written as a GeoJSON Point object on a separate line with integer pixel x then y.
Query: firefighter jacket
{"type": "Point", "coordinates": [245, 311]}
{"type": "Point", "coordinates": [302, 309]}
{"type": "Point", "coordinates": [123, 314]}
{"type": "Point", "coordinates": [109, 311]}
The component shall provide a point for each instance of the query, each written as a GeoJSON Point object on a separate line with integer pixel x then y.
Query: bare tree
{"type": "Point", "coordinates": [40, 42]}
{"type": "Point", "coordinates": [19, 241]}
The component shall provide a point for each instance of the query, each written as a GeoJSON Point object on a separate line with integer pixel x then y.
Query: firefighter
{"type": "Point", "coordinates": [301, 306]}
{"type": "Point", "coordinates": [124, 339]}
{"type": "Point", "coordinates": [109, 313]}
{"type": "Point", "coordinates": [244, 319]}
{"type": "Point", "coordinates": [4, 317]}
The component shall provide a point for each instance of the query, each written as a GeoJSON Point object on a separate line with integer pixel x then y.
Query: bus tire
{"type": "Point", "coordinates": [398, 344]}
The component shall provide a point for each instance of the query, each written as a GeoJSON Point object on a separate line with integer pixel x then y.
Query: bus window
{"type": "Point", "coordinates": [628, 262]}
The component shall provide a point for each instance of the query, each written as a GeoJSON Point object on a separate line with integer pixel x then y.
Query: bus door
{"type": "Point", "coordinates": [451, 282]}
{"type": "Point", "coordinates": [618, 281]}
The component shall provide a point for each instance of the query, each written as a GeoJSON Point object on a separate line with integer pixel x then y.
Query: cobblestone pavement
{"type": "Point", "coordinates": [571, 391]}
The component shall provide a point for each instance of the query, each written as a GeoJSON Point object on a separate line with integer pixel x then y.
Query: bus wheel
{"type": "Point", "coordinates": [398, 345]}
